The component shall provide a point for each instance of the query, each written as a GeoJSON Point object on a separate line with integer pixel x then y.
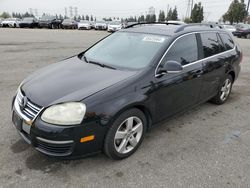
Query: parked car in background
{"type": "Point", "coordinates": [29, 22]}
{"type": "Point", "coordinates": [69, 24]}
{"type": "Point", "coordinates": [242, 30]}
{"type": "Point", "coordinates": [84, 24]}
{"type": "Point", "coordinates": [50, 22]}
{"type": "Point", "coordinates": [107, 97]}
{"type": "Point", "coordinates": [1, 20]}
{"type": "Point", "coordinates": [114, 26]}
{"type": "Point", "coordinates": [100, 25]}
{"type": "Point", "coordinates": [11, 22]}
{"type": "Point", "coordinates": [92, 23]}
{"type": "Point", "coordinates": [229, 28]}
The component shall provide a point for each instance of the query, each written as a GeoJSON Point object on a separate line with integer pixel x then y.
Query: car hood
{"type": "Point", "coordinates": [100, 24]}
{"type": "Point", "coordinates": [8, 22]}
{"type": "Point", "coordinates": [84, 24]}
{"type": "Point", "coordinates": [115, 26]}
{"type": "Point", "coordinates": [70, 80]}
{"type": "Point", "coordinates": [24, 22]}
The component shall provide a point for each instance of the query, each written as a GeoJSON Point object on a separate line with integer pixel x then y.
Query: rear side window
{"type": "Point", "coordinates": [184, 50]}
{"type": "Point", "coordinates": [211, 44]}
{"type": "Point", "coordinates": [227, 40]}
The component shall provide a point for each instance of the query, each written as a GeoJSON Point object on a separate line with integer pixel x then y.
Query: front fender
{"type": "Point", "coordinates": [105, 113]}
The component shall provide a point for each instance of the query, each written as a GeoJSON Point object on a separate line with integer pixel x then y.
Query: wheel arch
{"type": "Point", "coordinates": [140, 107]}
{"type": "Point", "coordinates": [232, 73]}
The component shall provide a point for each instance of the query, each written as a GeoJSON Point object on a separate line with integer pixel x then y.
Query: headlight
{"type": "Point", "coordinates": [71, 113]}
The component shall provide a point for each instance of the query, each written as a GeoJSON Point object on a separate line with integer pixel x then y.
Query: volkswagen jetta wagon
{"type": "Point", "coordinates": [107, 97]}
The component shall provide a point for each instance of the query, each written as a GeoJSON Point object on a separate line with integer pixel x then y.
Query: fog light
{"type": "Point", "coordinates": [87, 138]}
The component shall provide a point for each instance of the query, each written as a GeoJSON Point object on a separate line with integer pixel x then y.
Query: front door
{"type": "Point", "coordinates": [178, 91]}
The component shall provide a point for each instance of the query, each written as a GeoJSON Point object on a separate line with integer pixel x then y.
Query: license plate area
{"type": "Point", "coordinates": [17, 121]}
{"type": "Point", "coordinates": [26, 127]}
{"type": "Point", "coordinates": [20, 124]}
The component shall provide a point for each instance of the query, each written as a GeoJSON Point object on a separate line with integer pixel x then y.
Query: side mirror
{"type": "Point", "coordinates": [170, 67]}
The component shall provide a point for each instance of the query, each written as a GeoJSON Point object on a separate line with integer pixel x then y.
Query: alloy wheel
{"type": "Point", "coordinates": [225, 90]}
{"type": "Point", "coordinates": [128, 135]}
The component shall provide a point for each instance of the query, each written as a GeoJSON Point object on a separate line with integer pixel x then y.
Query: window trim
{"type": "Point", "coordinates": [223, 40]}
{"type": "Point", "coordinates": [200, 60]}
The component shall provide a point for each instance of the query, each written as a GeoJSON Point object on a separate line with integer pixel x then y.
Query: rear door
{"type": "Point", "coordinates": [213, 64]}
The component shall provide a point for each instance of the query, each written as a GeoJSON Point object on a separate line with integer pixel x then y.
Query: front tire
{"type": "Point", "coordinates": [125, 134]}
{"type": "Point", "coordinates": [224, 91]}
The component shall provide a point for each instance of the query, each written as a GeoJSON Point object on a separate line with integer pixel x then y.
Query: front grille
{"type": "Point", "coordinates": [55, 148]}
{"type": "Point", "coordinates": [26, 107]}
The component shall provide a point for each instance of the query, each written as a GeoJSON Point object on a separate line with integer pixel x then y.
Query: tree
{"type": "Point", "coordinates": [83, 18]}
{"type": "Point", "coordinates": [197, 14]}
{"type": "Point", "coordinates": [236, 12]}
{"type": "Point", "coordinates": [161, 16]}
{"type": "Point", "coordinates": [87, 17]}
{"type": "Point", "coordinates": [60, 17]}
{"type": "Point", "coordinates": [91, 18]}
{"type": "Point", "coordinates": [5, 15]}
{"type": "Point", "coordinates": [147, 18]}
{"type": "Point", "coordinates": [169, 14]}
{"type": "Point", "coordinates": [141, 18]}
{"type": "Point", "coordinates": [174, 14]}
{"type": "Point", "coordinates": [153, 18]}
{"type": "Point", "coordinates": [187, 20]}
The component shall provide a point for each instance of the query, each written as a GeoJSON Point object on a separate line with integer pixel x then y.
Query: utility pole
{"type": "Point", "coordinates": [76, 11]}
{"type": "Point", "coordinates": [71, 11]}
{"type": "Point", "coordinates": [66, 14]}
{"type": "Point", "coordinates": [188, 9]}
{"type": "Point", "coordinates": [192, 4]}
{"type": "Point", "coordinates": [248, 6]}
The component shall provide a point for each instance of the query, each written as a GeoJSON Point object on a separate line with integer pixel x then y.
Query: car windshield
{"type": "Point", "coordinates": [100, 22]}
{"type": "Point", "coordinates": [126, 50]}
{"type": "Point", "coordinates": [84, 21]}
{"type": "Point", "coordinates": [28, 19]}
{"type": "Point", "coordinates": [244, 25]}
{"type": "Point", "coordinates": [10, 19]}
{"type": "Point", "coordinates": [67, 21]}
{"type": "Point", "coordinates": [115, 23]}
{"type": "Point", "coordinates": [45, 18]}
{"type": "Point", "coordinates": [229, 27]}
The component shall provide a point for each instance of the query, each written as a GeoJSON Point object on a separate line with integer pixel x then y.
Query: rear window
{"type": "Point", "coordinates": [211, 44]}
{"type": "Point", "coordinates": [227, 40]}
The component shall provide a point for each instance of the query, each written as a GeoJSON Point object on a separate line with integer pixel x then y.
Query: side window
{"type": "Point", "coordinates": [184, 50]}
{"type": "Point", "coordinates": [211, 44]}
{"type": "Point", "coordinates": [227, 40]}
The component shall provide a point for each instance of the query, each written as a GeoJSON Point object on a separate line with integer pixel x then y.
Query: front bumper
{"type": "Point", "coordinates": [60, 141]}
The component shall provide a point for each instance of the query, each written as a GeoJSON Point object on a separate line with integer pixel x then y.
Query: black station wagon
{"type": "Point", "coordinates": [107, 97]}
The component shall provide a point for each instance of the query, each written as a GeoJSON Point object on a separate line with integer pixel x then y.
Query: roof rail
{"type": "Point", "coordinates": [146, 23]}
{"type": "Point", "coordinates": [182, 27]}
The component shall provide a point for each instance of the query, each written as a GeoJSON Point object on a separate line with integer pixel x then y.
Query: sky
{"type": "Point", "coordinates": [213, 9]}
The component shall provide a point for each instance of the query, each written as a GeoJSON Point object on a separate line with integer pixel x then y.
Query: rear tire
{"type": "Point", "coordinates": [125, 134]}
{"type": "Point", "coordinates": [224, 91]}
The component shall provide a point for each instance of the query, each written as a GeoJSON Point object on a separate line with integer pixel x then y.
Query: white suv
{"type": "Point", "coordinates": [11, 22]}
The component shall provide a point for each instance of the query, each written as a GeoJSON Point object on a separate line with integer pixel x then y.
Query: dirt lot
{"type": "Point", "coordinates": [208, 146]}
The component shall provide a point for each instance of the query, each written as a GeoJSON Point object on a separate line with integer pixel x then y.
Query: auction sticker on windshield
{"type": "Point", "coordinates": [153, 39]}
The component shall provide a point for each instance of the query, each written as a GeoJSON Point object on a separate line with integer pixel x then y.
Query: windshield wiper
{"type": "Point", "coordinates": [97, 63]}
{"type": "Point", "coordinates": [101, 64]}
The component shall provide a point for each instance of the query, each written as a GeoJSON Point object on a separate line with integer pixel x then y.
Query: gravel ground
{"type": "Point", "coordinates": [205, 147]}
